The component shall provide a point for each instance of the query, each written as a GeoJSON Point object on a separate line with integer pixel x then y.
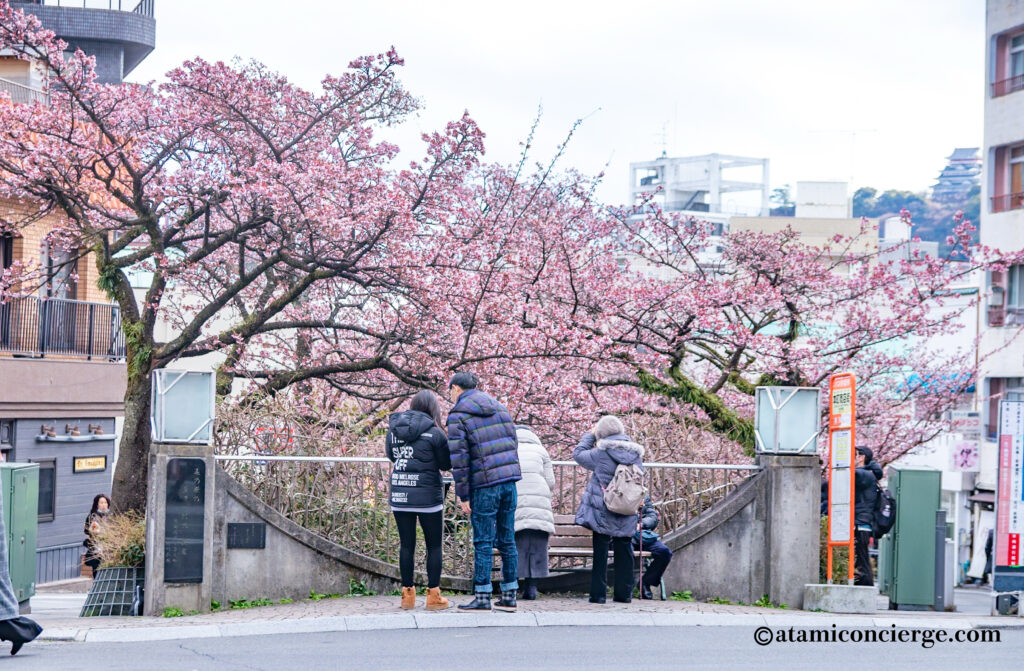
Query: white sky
{"type": "Point", "coordinates": [785, 80]}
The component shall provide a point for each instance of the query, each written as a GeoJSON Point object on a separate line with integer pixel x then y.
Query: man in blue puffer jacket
{"type": "Point", "coordinates": [485, 466]}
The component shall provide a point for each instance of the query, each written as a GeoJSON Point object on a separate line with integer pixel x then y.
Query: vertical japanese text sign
{"type": "Point", "coordinates": [842, 411]}
{"type": "Point", "coordinates": [1008, 573]}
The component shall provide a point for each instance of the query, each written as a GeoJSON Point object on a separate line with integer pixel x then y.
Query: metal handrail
{"type": "Point", "coordinates": [144, 7]}
{"type": "Point", "coordinates": [381, 460]}
{"type": "Point", "coordinates": [346, 499]}
{"type": "Point", "coordinates": [1007, 201]}
{"type": "Point", "coordinates": [1008, 85]}
{"type": "Point", "coordinates": [64, 327]}
{"type": "Point", "coordinates": [23, 94]}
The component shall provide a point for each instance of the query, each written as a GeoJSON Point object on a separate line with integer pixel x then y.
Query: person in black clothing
{"type": "Point", "coordinates": [100, 508]}
{"type": "Point", "coordinates": [865, 494]}
{"type": "Point", "coordinates": [988, 556]}
{"type": "Point", "coordinates": [645, 539]}
{"type": "Point", "coordinates": [417, 445]}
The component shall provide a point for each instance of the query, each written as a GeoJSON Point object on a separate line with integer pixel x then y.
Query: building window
{"type": "Point", "coordinates": [6, 439]}
{"type": "Point", "coordinates": [47, 488]}
{"type": "Point", "coordinates": [1009, 65]}
{"type": "Point", "coordinates": [1001, 389]}
{"type": "Point", "coordinates": [1017, 55]}
{"type": "Point", "coordinates": [1015, 288]}
{"type": "Point", "coordinates": [1008, 179]}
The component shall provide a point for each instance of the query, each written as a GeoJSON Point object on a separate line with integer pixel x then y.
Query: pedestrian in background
{"type": "Point", "coordinates": [485, 465]}
{"type": "Point", "coordinates": [601, 451]}
{"type": "Point", "coordinates": [99, 510]}
{"type": "Point", "coordinates": [417, 446]}
{"type": "Point", "coordinates": [865, 494]}
{"type": "Point", "coordinates": [534, 520]}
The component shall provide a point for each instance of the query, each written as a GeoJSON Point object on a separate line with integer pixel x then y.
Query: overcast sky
{"type": "Point", "coordinates": [787, 80]}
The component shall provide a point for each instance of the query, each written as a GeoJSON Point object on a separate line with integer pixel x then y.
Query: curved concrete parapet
{"type": "Point", "coordinates": [293, 561]}
{"type": "Point", "coordinates": [722, 553]}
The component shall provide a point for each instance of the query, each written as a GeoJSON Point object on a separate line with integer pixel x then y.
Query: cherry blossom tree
{"type": "Point", "coordinates": [278, 235]}
{"type": "Point", "coordinates": [255, 207]}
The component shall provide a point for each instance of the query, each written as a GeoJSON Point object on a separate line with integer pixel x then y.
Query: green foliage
{"type": "Point", "coordinates": [719, 600]}
{"type": "Point", "coordinates": [724, 421]}
{"type": "Point", "coordinates": [840, 557]}
{"type": "Point", "coordinates": [243, 604]}
{"type": "Point", "coordinates": [358, 588]}
{"type": "Point", "coordinates": [316, 596]}
{"type": "Point", "coordinates": [173, 611]}
{"type": "Point", "coordinates": [215, 605]}
{"type": "Point", "coordinates": [284, 601]}
{"type": "Point", "coordinates": [765, 602]}
{"type": "Point", "coordinates": [685, 595]}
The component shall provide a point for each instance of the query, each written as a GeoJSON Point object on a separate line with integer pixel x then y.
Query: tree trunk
{"type": "Point", "coordinates": [132, 471]}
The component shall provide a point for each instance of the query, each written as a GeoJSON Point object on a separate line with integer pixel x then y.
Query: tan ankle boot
{"type": "Point", "coordinates": [435, 601]}
{"type": "Point", "coordinates": [408, 598]}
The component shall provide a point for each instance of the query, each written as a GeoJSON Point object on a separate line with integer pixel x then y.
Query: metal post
{"type": "Point", "coordinates": [44, 325]}
{"type": "Point", "coordinates": [940, 561]}
{"type": "Point", "coordinates": [88, 352]}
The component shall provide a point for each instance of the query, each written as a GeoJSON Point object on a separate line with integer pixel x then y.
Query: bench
{"type": "Point", "coordinates": [575, 542]}
{"type": "Point", "coordinates": [572, 540]}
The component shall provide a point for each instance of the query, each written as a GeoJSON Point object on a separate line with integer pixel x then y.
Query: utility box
{"type": "Point", "coordinates": [908, 567]}
{"type": "Point", "coordinates": [20, 489]}
{"type": "Point", "coordinates": [885, 556]}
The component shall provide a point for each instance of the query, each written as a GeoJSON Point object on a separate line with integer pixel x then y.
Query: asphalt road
{"type": "Point", "coordinates": [533, 648]}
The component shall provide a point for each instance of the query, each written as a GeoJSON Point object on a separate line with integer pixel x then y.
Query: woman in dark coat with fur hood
{"type": "Point", "coordinates": [601, 452]}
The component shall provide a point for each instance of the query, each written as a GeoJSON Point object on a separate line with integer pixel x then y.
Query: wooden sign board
{"type": "Point", "coordinates": [90, 464]}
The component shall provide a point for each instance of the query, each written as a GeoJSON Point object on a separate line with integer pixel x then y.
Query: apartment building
{"type": "Point", "coordinates": [1002, 214]}
{"type": "Point", "coordinates": [62, 372]}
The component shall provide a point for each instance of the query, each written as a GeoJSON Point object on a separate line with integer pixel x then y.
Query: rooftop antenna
{"type": "Point", "coordinates": [664, 139]}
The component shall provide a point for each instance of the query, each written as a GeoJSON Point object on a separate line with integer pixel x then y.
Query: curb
{"type": "Point", "coordinates": [521, 619]}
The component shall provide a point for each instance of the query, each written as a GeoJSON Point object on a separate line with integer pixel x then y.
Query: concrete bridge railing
{"type": "Point", "coordinates": [279, 527]}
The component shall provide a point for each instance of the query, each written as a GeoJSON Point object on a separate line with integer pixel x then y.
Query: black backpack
{"type": "Point", "coordinates": [884, 512]}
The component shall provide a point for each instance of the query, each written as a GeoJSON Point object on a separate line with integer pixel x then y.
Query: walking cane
{"type": "Point", "coordinates": [640, 530]}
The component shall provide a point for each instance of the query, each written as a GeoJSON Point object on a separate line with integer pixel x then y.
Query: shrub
{"type": "Point", "coordinates": [840, 557]}
{"type": "Point", "coordinates": [121, 540]}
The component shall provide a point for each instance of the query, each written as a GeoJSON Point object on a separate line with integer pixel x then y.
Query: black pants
{"type": "Point", "coordinates": [862, 567]}
{"type": "Point", "coordinates": [660, 557]}
{"type": "Point", "coordinates": [623, 549]}
{"type": "Point", "coordinates": [431, 525]}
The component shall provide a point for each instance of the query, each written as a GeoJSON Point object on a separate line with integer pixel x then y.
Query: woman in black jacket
{"type": "Point", "coordinates": [100, 508]}
{"type": "Point", "coordinates": [418, 447]}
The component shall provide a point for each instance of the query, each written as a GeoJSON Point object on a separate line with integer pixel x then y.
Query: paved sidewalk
{"type": "Point", "coordinates": [382, 612]}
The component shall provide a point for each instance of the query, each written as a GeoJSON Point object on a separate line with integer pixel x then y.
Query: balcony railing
{"type": "Point", "coordinates": [145, 7]}
{"type": "Point", "coordinates": [1008, 201]}
{"type": "Point", "coordinates": [1001, 88]}
{"type": "Point", "coordinates": [23, 94]}
{"type": "Point", "coordinates": [61, 327]}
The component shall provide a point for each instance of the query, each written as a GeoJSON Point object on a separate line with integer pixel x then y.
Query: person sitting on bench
{"type": "Point", "coordinates": [646, 540]}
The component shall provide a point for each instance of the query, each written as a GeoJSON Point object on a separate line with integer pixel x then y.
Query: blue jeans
{"type": "Point", "coordinates": [493, 518]}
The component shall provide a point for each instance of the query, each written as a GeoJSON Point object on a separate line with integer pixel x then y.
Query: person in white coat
{"type": "Point", "coordinates": [534, 520]}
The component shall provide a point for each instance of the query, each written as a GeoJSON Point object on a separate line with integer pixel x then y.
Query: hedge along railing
{"type": "Point", "coordinates": [346, 499]}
